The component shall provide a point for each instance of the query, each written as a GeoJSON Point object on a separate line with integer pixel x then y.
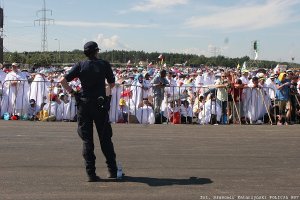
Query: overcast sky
{"type": "Point", "coordinates": [202, 27]}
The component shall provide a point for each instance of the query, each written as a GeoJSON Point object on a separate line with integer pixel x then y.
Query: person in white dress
{"type": "Point", "coordinates": [2, 78]}
{"type": "Point", "coordinates": [15, 94]}
{"type": "Point", "coordinates": [145, 113]}
{"type": "Point", "coordinates": [39, 89]}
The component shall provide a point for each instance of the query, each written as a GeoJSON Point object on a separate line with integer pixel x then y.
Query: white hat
{"type": "Point", "coordinates": [15, 64]}
{"type": "Point", "coordinates": [260, 75]}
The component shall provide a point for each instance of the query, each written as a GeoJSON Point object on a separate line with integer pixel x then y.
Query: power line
{"type": "Point", "coordinates": [44, 22]}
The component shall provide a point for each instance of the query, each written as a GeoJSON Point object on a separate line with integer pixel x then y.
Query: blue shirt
{"type": "Point", "coordinates": [283, 93]}
{"type": "Point", "coordinates": [159, 91]}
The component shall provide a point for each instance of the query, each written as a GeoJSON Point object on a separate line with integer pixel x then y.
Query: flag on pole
{"type": "Point", "coordinates": [244, 67]}
{"type": "Point", "coordinates": [256, 55]}
{"type": "Point", "coordinates": [276, 69]}
{"type": "Point", "coordinates": [238, 66]}
{"type": "Point", "coordinates": [161, 58]}
{"type": "Point", "coordinates": [184, 64]}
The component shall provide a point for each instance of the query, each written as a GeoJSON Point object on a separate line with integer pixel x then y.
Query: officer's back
{"type": "Point", "coordinates": [92, 74]}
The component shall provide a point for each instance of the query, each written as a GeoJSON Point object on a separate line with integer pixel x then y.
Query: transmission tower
{"type": "Point", "coordinates": [44, 22]}
{"type": "Point", "coordinates": [214, 51]}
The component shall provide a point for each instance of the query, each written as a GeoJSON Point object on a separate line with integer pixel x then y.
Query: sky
{"type": "Point", "coordinates": [201, 27]}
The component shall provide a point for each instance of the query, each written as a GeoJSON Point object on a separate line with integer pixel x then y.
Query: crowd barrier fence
{"type": "Point", "coordinates": [134, 103]}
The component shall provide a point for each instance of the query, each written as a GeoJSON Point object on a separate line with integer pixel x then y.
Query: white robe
{"type": "Point", "coordinates": [208, 79]}
{"type": "Point", "coordinates": [39, 90]}
{"type": "Point", "coordinates": [147, 89]}
{"type": "Point", "coordinates": [173, 89]}
{"type": "Point", "coordinates": [254, 107]}
{"type": "Point", "coordinates": [2, 78]}
{"type": "Point", "coordinates": [145, 115]}
{"type": "Point", "coordinates": [186, 112]}
{"type": "Point", "coordinates": [15, 98]}
{"type": "Point", "coordinates": [271, 90]}
{"type": "Point", "coordinates": [69, 109]}
{"type": "Point", "coordinates": [210, 107]}
{"type": "Point", "coordinates": [114, 103]}
{"type": "Point", "coordinates": [199, 81]}
{"type": "Point", "coordinates": [244, 80]}
{"type": "Point", "coordinates": [138, 94]}
{"type": "Point", "coordinates": [171, 92]}
{"type": "Point", "coordinates": [55, 109]}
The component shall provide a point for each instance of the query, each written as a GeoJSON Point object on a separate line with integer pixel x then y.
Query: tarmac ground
{"type": "Point", "coordinates": [41, 160]}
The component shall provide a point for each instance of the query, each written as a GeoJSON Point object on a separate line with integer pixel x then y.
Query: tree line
{"type": "Point", "coordinates": [121, 57]}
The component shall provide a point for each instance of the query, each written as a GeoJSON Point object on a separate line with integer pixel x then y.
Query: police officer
{"type": "Point", "coordinates": [92, 106]}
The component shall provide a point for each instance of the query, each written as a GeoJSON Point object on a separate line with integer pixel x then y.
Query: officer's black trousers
{"type": "Point", "coordinates": [88, 112]}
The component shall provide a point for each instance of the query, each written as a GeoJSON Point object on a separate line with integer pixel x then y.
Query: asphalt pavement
{"type": "Point", "coordinates": [42, 160]}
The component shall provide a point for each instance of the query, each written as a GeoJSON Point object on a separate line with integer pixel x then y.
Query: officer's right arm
{"type": "Point", "coordinates": [65, 85]}
{"type": "Point", "coordinates": [73, 73]}
{"type": "Point", "coordinates": [109, 75]}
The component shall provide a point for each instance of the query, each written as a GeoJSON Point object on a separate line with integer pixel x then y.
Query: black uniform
{"type": "Point", "coordinates": [92, 74]}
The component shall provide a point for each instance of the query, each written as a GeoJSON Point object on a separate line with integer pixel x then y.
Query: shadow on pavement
{"type": "Point", "coordinates": [154, 182]}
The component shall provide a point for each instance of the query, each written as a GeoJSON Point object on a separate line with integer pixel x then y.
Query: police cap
{"type": "Point", "coordinates": [91, 46]}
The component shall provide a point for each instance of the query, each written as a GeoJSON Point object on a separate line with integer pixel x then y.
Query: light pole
{"type": "Point", "coordinates": [58, 48]}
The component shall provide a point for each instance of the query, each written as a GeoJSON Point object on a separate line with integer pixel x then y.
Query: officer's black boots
{"type": "Point", "coordinates": [93, 178]}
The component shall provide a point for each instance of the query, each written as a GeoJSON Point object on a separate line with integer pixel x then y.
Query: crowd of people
{"type": "Point", "coordinates": [156, 94]}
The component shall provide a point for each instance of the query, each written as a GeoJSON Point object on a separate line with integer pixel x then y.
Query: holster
{"type": "Point", "coordinates": [104, 102]}
{"type": "Point", "coordinates": [77, 98]}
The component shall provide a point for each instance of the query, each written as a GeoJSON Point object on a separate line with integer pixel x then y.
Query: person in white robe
{"type": "Point", "coordinates": [211, 108]}
{"type": "Point", "coordinates": [15, 94]}
{"type": "Point", "coordinates": [172, 89]}
{"type": "Point", "coordinates": [69, 107]}
{"type": "Point", "coordinates": [139, 92]}
{"type": "Point", "coordinates": [39, 89]}
{"type": "Point", "coordinates": [2, 78]}
{"type": "Point", "coordinates": [244, 77]}
{"type": "Point", "coordinates": [256, 102]}
{"type": "Point", "coordinates": [208, 78]}
{"type": "Point", "coordinates": [145, 113]}
{"type": "Point", "coordinates": [270, 83]}
{"type": "Point", "coordinates": [186, 112]}
{"type": "Point", "coordinates": [115, 99]}
{"type": "Point", "coordinates": [199, 82]}
{"type": "Point", "coordinates": [54, 108]}
{"type": "Point", "coordinates": [198, 105]}
{"type": "Point", "coordinates": [147, 86]}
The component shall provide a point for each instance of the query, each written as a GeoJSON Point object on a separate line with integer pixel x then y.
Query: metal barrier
{"type": "Point", "coordinates": [146, 104]}
{"type": "Point", "coordinates": [16, 96]}
{"type": "Point", "coordinates": [199, 105]}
